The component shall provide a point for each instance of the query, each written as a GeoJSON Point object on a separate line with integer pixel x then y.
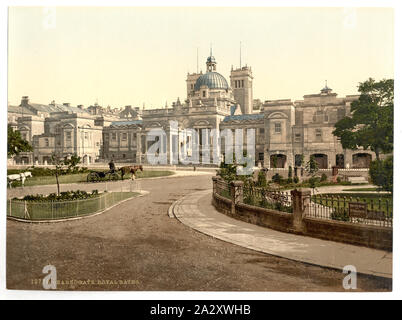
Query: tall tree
{"type": "Point", "coordinates": [16, 144]}
{"type": "Point", "coordinates": [371, 124]}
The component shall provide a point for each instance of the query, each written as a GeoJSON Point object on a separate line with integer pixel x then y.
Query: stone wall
{"type": "Point", "coordinates": [352, 233]}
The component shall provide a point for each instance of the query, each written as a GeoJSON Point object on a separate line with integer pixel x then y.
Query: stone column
{"type": "Point", "coordinates": [300, 203]}
{"type": "Point", "coordinates": [236, 193]}
{"type": "Point", "coordinates": [214, 183]}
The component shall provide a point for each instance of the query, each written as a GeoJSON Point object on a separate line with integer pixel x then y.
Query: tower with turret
{"type": "Point", "coordinates": [241, 81]}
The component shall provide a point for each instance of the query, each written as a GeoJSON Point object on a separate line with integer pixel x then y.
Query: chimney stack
{"type": "Point", "coordinates": [24, 100]}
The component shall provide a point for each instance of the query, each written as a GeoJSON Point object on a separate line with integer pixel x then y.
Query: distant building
{"type": "Point", "coordinates": [286, 131]}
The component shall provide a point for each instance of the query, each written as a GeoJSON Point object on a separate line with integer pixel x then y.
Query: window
{"type": "Point", "coordinates": [326, 118]}
{"type": "Point", "coordinates": [242, 83]}
{"type": "Point", "coordinates": [46, 142]}
{"type": "Point", "coordinates": [98, 144]}
{"type": "Point", "coordinates": [261, 156]}
{"type": "Point", "coordinates": [24, 136]}
{"type": "Point", "coordinates": [262, 131]}
{"type": "Point", "coordinates": [204, 94]}
{"type": "Point", "coordinates": [114, 136]}
{"type": "Point", "coordinates": [124, 136]}
{"type": "Point", "coordinates": [86, 135]}
{"type": "Point", "coordinates": [318, 133]}
{"type": "Point", "coordinates": [297, 137]}
{"type": "Point", "coordinates": [278, 127]}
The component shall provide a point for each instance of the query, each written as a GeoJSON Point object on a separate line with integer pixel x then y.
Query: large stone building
{"type": "Point", "coordinates": [286, 131]}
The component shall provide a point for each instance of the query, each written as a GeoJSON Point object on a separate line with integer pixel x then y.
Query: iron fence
{"type": "Point", "coordinates": [223, 188]}
{"type": "Point", "coordinates": [361, 210]}
{"type": "Point", "coordinates": [53, 210]}
{"type": "Point", "coordinates": [266, 198]}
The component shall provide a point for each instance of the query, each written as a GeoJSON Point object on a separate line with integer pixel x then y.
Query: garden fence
{"type": "Point", "coordinates": [351, 209]}
{"type": "Point", "coordinates": [53, 210]}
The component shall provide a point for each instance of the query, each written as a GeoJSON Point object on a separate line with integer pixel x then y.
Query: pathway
{"type": "Point", "coordinates": [197, 212]}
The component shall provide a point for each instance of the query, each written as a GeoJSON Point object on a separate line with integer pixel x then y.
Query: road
{"type": "Point", "coordinates": [136, 246]}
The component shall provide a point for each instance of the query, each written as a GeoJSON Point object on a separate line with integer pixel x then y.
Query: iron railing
{"type": "Point", "coordinates": [223, 188]}
{"type": "Point", "coordinates": [266, 198]}
{"type": "Point", "coordinates": [54, 210]}
{"type": "Point", "coordinates": [361, 210]}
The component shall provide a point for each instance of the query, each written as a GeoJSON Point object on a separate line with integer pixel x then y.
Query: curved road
{"type": "Point", "coordinates": [136, 246]}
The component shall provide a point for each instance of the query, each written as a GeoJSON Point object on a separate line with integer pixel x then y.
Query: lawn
{"type": "Point", "coordinates": [361, 189]}
{"type": "Point", "coordinates": [82, 177]}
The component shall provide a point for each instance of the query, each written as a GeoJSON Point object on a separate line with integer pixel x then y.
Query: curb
{"type": "Point", "coordinates": [174, 211]}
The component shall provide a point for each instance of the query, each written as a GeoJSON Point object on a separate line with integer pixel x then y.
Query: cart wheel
{"type": "Point", "coordinates": [92, 177]}
{"type": "Point", "coordinates": [114, 176]}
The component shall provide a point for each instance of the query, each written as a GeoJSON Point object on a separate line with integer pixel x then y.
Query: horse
{"type": "Point", "coordinates": [130, 169]}
{"type": "Point", "coordinates": [18, 177]}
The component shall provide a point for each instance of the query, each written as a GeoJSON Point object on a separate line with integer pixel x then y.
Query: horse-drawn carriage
{"type": "Point", "coordinates": [96, 176]}
{"type": "Point", "coordinates": [112, 174]}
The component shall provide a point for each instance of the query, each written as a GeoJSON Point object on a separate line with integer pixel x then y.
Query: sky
{"type": "Point", "coordinates": [122, 56]}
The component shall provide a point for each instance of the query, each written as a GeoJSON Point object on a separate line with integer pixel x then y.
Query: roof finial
{"type": "Point", "coordinates": [210, 51]}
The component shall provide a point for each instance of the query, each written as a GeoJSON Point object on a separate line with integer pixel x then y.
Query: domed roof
{"type": "Point", "coordinates": [213, 80]}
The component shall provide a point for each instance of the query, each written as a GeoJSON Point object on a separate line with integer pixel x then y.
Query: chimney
{"type": "Point", "coordinates": [80, 106]}
{"type": "Point", "coordinates": [24, 100]}
{"type": "Point", "coordinates": [66, 104]}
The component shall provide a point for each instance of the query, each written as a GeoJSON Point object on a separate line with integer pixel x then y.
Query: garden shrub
{"type": "Point", "coordinates": [277, 178]}
{"type": "Point", "coordinates": [64, 196]}
{"type": "Point", "coordinates": [262, 179]}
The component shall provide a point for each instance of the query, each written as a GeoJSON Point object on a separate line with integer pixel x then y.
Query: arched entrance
{"type": "Point", "coordinates": [322, 160]}
{"type": "Point", "coordinates": [361, 160]}
{"type": "Point", "coordinates": [277, 161]}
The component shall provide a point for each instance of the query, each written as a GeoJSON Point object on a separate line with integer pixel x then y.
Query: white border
{"type": "Point", "coordinates": [397, 287]}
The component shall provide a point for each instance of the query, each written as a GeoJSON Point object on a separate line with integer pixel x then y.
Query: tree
{"type": "Point", "coordinates": [60, 163]}
{"type": "Point", "coordinates": [312, 170]}
{"type": "Point", "coordinates": [372, 117]}
{"type": "Point", "coordinates": [381, 173]}
{"type": "Point", "coordinates": [262, 179]}
{"type": "Point", "coordinates": [16, 144]}
{"type": "Point", "coordinates": [73, 162]}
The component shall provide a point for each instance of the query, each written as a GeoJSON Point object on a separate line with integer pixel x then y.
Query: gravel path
{"type": "Point", "coordinates": [136, 246]}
